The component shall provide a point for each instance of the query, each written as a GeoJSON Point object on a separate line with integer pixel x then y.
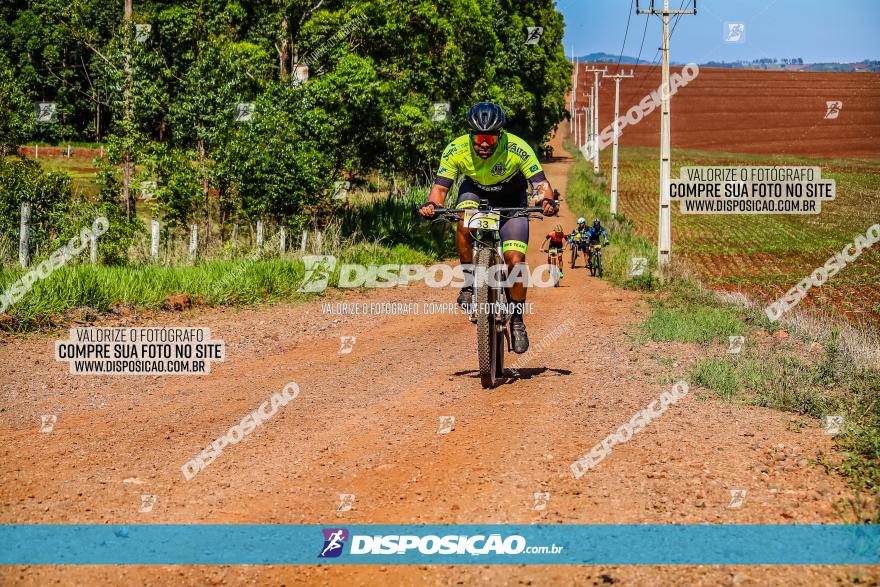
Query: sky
{"type": "Point", "coordinates": [815, 30]}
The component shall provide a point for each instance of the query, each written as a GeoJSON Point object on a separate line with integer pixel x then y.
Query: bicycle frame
{"type": "Point", "coordinates": [484, 225]}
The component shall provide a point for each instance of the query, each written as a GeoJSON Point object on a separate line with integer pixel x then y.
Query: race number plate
{"type": "Point", "coordinates": [481, 220]}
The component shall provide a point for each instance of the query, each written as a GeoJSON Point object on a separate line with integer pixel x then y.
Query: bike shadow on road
{"type": "Point", "coordinates": [511, 375]}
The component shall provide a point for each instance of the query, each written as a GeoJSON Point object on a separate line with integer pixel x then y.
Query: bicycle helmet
{"type": "Point", "coordinates": [582, 221]}
{"type": "Point", "coordinates": [485, 117]}
{"type": "Point", "coordinates": [558, 228]}
{"type": "Point", "coordinates": [597, 224]}
{"type": "Point", "coordinates": [485, 121]}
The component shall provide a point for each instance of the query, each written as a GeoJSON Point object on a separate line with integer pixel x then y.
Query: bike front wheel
{"type": "Point", "coordinates": [490, 339]}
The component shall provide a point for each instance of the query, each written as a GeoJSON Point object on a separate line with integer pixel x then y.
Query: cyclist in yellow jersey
{"type": "Point", "coordinates": [497, 166]}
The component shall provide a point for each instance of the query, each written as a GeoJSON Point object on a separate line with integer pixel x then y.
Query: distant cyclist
{"type": "Point", "coordinates": [497, 166]}
{"type": "Point", "coordinates": [556, 240]}
{"type": "Point", "coordinates": [578, 237]}
{"type": "Point", "coordinates": [594, 236]}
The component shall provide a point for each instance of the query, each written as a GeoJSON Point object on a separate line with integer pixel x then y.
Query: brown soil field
{"type": "Point", "coordinates": [751, 111]}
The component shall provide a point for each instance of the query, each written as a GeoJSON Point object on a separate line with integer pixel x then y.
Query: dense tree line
{"type": "Point", "coordinates": [160, 83]}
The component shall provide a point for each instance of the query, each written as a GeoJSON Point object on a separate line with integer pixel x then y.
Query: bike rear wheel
{"type": "Point", "coordinates": [490, 342]}
{"type": "Point", "coordinates": [574, 256]}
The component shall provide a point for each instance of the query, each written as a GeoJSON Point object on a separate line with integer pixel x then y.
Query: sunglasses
{"type": "Point", "coordinates": [490, 140]}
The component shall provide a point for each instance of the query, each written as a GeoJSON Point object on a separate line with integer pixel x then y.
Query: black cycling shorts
{"type": "Point", "coordinates": [513, 193]}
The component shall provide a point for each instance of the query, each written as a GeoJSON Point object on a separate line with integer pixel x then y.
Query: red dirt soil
{"type": "Point", "coordinates": [748, 111]}
{"type": "Point", "coordinates": [366, 423]}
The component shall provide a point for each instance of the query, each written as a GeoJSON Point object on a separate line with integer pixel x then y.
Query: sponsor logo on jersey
{"type": "Point", "coordinates": [518, 151]}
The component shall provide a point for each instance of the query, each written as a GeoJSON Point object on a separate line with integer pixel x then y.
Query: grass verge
{"type": "Point", "coordinates": [376, 231]}
{"type": "Point", "coordinates": [837, 376]}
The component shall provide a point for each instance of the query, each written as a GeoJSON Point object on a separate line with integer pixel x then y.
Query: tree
{"type": "Point", "coordinates": [16, 111]}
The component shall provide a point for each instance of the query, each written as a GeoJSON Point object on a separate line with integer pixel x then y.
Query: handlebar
{"type": "Point", "coordinates": [523, 209]}
{"type": "Point", "coordinates": [455, 214]}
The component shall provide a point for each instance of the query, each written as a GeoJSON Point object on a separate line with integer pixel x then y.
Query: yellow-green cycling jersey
{"type": "Point", "coordinates": [512, 157]}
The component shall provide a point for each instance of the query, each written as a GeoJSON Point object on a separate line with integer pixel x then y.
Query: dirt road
{"type": "Point", "coordinates": [366, 423]}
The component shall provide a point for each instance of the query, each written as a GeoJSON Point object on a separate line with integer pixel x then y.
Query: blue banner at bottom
{"type": "Point", "coordinates": [568, 544]}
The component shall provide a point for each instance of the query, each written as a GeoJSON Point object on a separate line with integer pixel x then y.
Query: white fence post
{"type": "Point", "coordinates": [259, 234]}
{"type": "Point", "coordinates": [193, 241]}
{"type": "Point", "coordinates": [234, 236]}
{"type": "Point", "coordinates": [319, 238]}
{"type": "Point", "coordinates": [68, 151]}
{"type": "Point", "coordinates": [93, 248]}
{"type": "Point", "coordinates": [24, 235]}
{"type": "Point", "coordinates": [154, 240]}
{"type": "Point", "coordinates": [36, 151]}
{"type": "Point", "coordinates": [282, 240]}
{"type": "Point", "coordinates": [305, 238]}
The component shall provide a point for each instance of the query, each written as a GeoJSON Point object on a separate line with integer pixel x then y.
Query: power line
{"type": "Point", "coordinates": [639, 58]}
{"type": "Point", "coordinates": [625, 33]}
{"type": "Point", "coordinates": [655, 61]}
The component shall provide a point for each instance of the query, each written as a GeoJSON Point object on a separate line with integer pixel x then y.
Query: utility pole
{"type": "Point", "coordinates": [594, 137]}
{"type": "Point", "coordinates": [664, 238]}
{"type": "Point", "coordinates": [617, 77]}
{"type": "Point", "coordinates": [574, 90]}
{"type": "Point", "coordinates": [571, 99]}
{"type": "Point", "coordinates": [586, 113]}
{"type": "Point", "coordinates": [580, 126]}
{"type": "Point", "coordinates": [589, 139]}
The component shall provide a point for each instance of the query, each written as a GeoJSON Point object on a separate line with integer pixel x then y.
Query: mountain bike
{"type": "Point", "coordinates": [575, 245]}
{"type": "Point", "coordinates": [490, 309]}
{"type": "Point", "coordinates": [554, 260]}
{"type": "Point", "coordinates": [596, 260]}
